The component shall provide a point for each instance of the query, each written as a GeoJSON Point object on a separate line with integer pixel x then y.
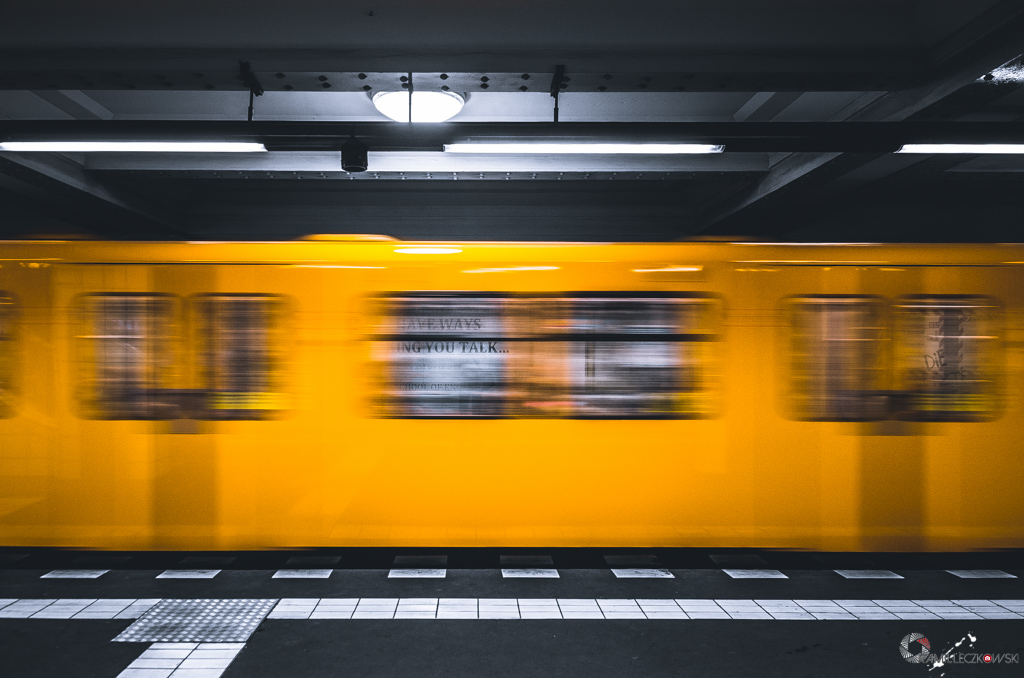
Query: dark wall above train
{"type": "Point", "coordinates": [806, 102]}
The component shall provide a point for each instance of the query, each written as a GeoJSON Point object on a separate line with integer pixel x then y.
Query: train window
{"type": "Point", "coordinates": [836, 358]}
{"type": "Point", "coordinates": [443, 355]}
{"type": "Point", "coordinates": [639, 355]}
{"type": "Point", "coordinates": [239, 355]}
{"type": "Point", "coordinates": [6, 355]}
{"type": "Point", "coordinates": [128, 356]}
{"type": "Point", "coordinates": [947, 358]}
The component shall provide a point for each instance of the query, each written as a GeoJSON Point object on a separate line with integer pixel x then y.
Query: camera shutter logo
{"type": "Point", "coordinates": [915, 648]}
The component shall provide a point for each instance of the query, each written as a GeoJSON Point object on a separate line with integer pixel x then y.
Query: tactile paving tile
{"type": "Point", "coordinates": [198, 620]}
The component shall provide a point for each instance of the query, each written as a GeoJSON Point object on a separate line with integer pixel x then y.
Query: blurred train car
{"type": "Point", "coordinates": [370, 392]}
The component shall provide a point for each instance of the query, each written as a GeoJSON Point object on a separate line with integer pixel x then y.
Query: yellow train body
{"type": "Point", "coordinates": [328, 470]}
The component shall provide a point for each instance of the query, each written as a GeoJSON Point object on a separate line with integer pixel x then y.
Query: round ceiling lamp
{"type": "Point", "coordinates": [426, 106]}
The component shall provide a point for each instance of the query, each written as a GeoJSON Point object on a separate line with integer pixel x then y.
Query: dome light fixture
{"type": "Point", "coordinates": [426, 106]}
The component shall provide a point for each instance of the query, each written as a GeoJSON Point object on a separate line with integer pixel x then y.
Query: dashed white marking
{"type": "Point", "coordinates": [868, 574]}
{"type": "Point", "coordinates": [302, 574]}
{"type": "Point", "coordinates": [183, 660]}
{"type": "Point", "coordinates": [74, 574]}
{"type": "Point", "coordinates": [188, 574]}
{"type": "Point", "coordinates": [982, 574]}
{"type": "Point", "coordinates": [417, 573]}
{"type": "Point", "coordinates": [755, 574]}
{"type": "Point", "coordinates": [642, 573]}
{"type": "Point", "coordinates": [529, 573]}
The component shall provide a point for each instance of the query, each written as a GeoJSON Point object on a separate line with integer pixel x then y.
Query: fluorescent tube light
{"type": "Point", "coordinates": [133, 146]}
{"type": "Point", "coordinates": [580, 148]}
{"type": "Point", "coordinates": [427, 250]}
{"type": "Point", "coordinates": [961, 148]}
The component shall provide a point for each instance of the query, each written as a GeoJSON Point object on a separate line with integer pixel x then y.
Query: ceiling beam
{"type": "Point", "coordinates": [742, 137]}
{"type": "Point", "coordinates": [993, 39]}
{"type": "Point", "coordinates": [94, 204]}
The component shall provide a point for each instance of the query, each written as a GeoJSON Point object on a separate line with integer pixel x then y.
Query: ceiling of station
{"type": "Point", "coordinates": [764, 74]}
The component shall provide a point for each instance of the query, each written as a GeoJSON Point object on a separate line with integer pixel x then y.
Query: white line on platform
{"type": "Point", "coordinates": [549, 608]}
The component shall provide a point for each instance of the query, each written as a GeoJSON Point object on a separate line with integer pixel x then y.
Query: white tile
{"type": "Point", "coordinates": [855, 602]}
{"type": "Point", "coordinates": [4, 602]}
{"type": "Point", "coordinates": [197, 673]}
{"type": "Point", "coordinates": [304, 614]}
{"type": "Point", "coordinates": [1001, 615]}
{"type": "Point", "coordinates": [694, 614]}
{"type": "Point", "coordinates": [192, 663]}
{"type": "Point", "coordinates": [897, 603]}
{"type": "Point", "coordinates": [338, 601]}
{"type": "Point", "coordinates": [141, 663]}
{"type": "Point", "coordinates": [581, 614]}
{"type": "Point", "coordinates": [188, 574]}
{"type": "Point", "coordinates": [173, 646]}
{"type": "Point", "coordinates": [145, 673]}
{"type": "Point", "coordinates": [982, 574]}
{"type": "Point", "coordinates": [302, 574]}
{"type": "Point", "coordinates": [678, 614]}
{"type": "Point", "coordinates": [417, 574]}
{"type": "Point", "coordinates": [237, 647]}
{"type": "Point", "coordinates": [832, 615]}
{"type": "Point", "coordinates": [417, 601]}
{"type": "Point", "coordinates": [529, 573]}
{"type": "Point", "coordinates": [697, 601]}
{"type": "Point", "coordinates": [373, 614]}
{"type": "Point", "coordinates": [498, 614]}
{"type": "Point", "coordinates": [958, 615]}
{"type": "Point", "coordinates": [378, 601]}
{"type": "Point", "coordinates": [74, 574]}
{"type": "Point", "coordinates": [402, 607]}
{"type": "Point", "coordinates": [213, 654]}
{"type": "Point", "coordinates": [735, 614]}
{"type": "Point", "coordinates": [791, 615]}
{"type": "Point", "coordinates": [755, 574]}
{"type": "Point", "coordinates": [442, 613]}
{"type": "Point", "coordinates": [641, 573]}
{"type": "Point", "coordinates": [608, 614]}
{"type": "Point", "coordinates": [332, 614]}
{"type": "Point", "coordinates": [916, 615]}
{"type": "Point", "coordinates": [547, 614]}
{"type": "Point", "coordinates": [165, 654]}
{"type": "Point", "coordinates": [868, 574]}
{"type": "Point", "coordinates": [415, 614]}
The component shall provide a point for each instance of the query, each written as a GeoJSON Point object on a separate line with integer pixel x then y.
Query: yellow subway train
{"type": "Point", "coordinates": [362, 391]}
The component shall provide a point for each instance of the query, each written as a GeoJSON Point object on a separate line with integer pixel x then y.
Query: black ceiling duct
{"type": "Point", "coordinates": [354, 155]}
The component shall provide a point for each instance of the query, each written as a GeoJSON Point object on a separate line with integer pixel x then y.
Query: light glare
{"type": "Point", "coordinates": [428, 250]}
{"type": "Point", "coordinates": [426, 106]}
{"type": "Point", "coordinates": [584, 148]}
{"type": "Point", "coordinates": [513, 268]}
{"type": "Point", "coordinates": [133, 146]}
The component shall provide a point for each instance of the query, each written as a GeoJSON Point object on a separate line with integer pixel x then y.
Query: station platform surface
{"type": "Point", "coordinates": [509, 612]}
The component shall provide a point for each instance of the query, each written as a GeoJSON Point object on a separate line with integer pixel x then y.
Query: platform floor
{"type": "Point", "coordinates": [506, 612]}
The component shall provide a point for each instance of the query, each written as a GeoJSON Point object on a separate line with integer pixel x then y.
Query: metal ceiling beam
{"type": "Point", "coordinates": [423, 161]}
{"type": "Point", "coordinates": [993, 39]}
{"type": "Point", "coordinates": [62, 180]}
{"type": "Point", "coordinates": [744, 137]}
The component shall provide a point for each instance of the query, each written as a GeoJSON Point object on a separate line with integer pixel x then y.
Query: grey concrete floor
{"type": "Point", "coordinates": [526, 647]}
